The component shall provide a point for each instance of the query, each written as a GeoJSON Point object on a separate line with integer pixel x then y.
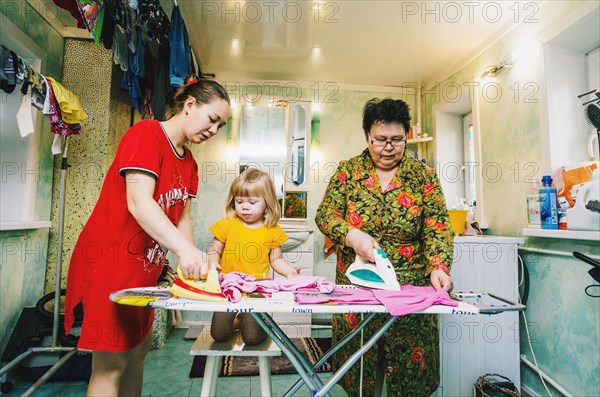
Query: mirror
{"type": "Point", "coordinates": [297, 145]}
{"type": "Point", "coordinates": [274, 137]}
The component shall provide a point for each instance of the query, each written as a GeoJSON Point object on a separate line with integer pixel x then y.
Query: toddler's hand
{"type": "Point", "coordinates": [294, 273]}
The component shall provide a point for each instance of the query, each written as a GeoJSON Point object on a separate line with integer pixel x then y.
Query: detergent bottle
{"type": "Point", "coordinates": [548, 204]}
{"type": "Point", "coordinates": [585, 215]}
{"type": "Point", "coordinates": [533, 205]}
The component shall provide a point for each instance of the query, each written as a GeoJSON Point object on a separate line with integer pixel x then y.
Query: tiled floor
{"type": "Point", "coordinates": [166, 373]}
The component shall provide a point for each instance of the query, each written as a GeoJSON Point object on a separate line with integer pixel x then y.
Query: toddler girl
{"type": "Point", "coordinates": [248, 240]}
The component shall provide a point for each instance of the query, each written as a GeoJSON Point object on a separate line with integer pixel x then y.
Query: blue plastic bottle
{"type": "Point", "coordinates": [548, 204]}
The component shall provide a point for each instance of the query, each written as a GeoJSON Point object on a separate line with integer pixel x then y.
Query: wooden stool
{"type": "Point", "coordinates": [205, 345]}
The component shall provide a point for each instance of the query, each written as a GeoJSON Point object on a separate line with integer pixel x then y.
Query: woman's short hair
{"type": "Point", "coordinates": [255, 183]}
{"type": "Point", "coordinates": [202, 90]}
{"type": "Point", "coordinates": [385, 111]}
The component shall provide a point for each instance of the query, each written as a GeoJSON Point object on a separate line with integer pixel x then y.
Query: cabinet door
{"type": "Point", "coordinates": [474, 345]}
{"type": "Point", "coordinates": [297, 325]}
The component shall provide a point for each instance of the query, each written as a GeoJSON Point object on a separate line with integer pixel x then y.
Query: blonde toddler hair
{"type": "Point", "coordinates": [255, 183]}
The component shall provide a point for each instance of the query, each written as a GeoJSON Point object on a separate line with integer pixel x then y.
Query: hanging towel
{"type": "Point", "coordinates": [25, 117]}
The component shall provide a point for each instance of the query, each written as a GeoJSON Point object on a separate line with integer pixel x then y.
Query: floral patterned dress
{"type": "Point", "coordinates": [410, 222]}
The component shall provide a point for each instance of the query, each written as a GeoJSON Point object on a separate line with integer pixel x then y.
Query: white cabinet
{"type": "Point", "coordinates": [471, 346]}
{"type": "Point", "coordinates": [297, 325]}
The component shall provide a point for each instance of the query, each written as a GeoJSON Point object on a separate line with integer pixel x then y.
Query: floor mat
{"type": "Point", "coordinates": [312, 348]}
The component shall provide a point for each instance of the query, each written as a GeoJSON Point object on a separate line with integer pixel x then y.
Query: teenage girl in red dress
{"type": "Point", "coordinates": [143, 211]}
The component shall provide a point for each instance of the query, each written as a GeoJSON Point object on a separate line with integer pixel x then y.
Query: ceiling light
{"type": "Point", "coordinates": [316, 52]}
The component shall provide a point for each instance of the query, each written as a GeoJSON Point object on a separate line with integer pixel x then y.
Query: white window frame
{"type": "Point", "coordinates": [20, 176]}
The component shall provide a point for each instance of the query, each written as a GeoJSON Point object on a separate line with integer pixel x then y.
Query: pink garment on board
{"type": "Point", "coordinates": [412, 299]}
{"type": "Point", "coordinates": [398, 303]}
{"type": "Point", "coordinates": [234, 284]}
{"type": "Point", "coordinates": [348, 296]}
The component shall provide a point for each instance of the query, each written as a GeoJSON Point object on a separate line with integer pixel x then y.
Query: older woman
{"type": "Point", "coordinates": [384, 199]}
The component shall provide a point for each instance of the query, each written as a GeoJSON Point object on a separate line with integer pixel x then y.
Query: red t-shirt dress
{"type": "Point", "coordinates": [113, 252]}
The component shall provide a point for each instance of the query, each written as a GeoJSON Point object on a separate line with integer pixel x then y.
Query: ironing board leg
{"type": "Point", "coordinates": [355, 357]}
{"type": "Point", "coordinates": [264, 367]}
{"type": "Point", "coordinates": [211, 373]}
{"type": "Point", "coordinates": [332, 351]}
{"type": "Point", "coordinates": [291, 352]}
{"type": "Point", "coordinates": [215, 375]}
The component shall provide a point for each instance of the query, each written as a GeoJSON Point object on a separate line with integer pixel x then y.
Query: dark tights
{"type": "Point", "coordinates": [223, 327]}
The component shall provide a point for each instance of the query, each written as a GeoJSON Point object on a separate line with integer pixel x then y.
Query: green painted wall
{"type": "Point", "coordinates": [564, 321]}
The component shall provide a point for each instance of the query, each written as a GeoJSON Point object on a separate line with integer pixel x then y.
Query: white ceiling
{"type": "Point", "coordinates": [366, 42]}
{"type": "Point", "coordinates": [360, 41]}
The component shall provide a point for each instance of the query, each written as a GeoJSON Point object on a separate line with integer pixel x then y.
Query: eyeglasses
{"type": "Point", "coordinates": [381, 143]}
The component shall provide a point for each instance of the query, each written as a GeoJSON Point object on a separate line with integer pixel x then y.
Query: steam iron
{"type": "Point", "coordinates": [378, 275]}
{"type": "Point", "coordinates": [205, 290]}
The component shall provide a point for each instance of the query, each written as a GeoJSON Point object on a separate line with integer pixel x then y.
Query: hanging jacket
{"type": "Point", "coordinates": [180, 63]}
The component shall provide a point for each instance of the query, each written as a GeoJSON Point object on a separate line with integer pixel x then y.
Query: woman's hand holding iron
{"type": "Point", "coordinates": [362, 243]}
{"type": "Point", "coordinates": [194, 263]}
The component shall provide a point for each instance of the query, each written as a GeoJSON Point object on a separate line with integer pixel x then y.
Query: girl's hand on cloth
{"type": "Point", "coordinates": [294, 273]}
{"type": "Point", "coordinates": [362, 244]}
{"type": "Point", "coordinates": [439, 279]}
{"type": "Point", "coordinates": [194, 264]}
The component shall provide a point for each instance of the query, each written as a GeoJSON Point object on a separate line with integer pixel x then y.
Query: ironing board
{"type": "Point", "coordinates": [469, 303]}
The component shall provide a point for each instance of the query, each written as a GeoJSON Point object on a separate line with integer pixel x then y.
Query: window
{"type": "Point", "coordinates": [18, 155]}
{"type": "Point", "coordinates": [457, 153]}
{"type": "Point", "coordinates": [469, 175]}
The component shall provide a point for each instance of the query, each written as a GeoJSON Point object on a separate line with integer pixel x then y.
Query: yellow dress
{"type": "Point", "coordinates": [246, 249]}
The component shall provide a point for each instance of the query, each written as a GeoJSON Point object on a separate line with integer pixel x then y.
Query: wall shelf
{"type": "Point", "coordinates": [24, 225]}
{"type": "Point", "coordinates": [566, 234]}
{"type": "Point", "coordinates": [420, 140]}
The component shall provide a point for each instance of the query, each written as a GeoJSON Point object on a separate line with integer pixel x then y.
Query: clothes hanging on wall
{"type": "Point", "coordinates": [161, 88]}
{"type": "Point", "coordinates": [154, 20]}
{"type": "Point", "coordinates": [13, 71]}
{"type": "Point", "coordinates": [70, 107]}
{"type": "Point", "coordinates": [132, 29]}
{"type": "Point", "coordinates": [93, 16]}
{"type": "Point", "coordinates": [62, 106]}
{"type": "Point", "coordinates": [180, 58]}
{"type": "Point", "coordinates": [73, 9]}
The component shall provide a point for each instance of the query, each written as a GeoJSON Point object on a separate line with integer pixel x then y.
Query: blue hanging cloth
{"type": "Point", "coordinates": [180, 64]}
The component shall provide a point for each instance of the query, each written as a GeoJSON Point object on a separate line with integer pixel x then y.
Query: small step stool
{"type": "Point", "coordinates": [205, 345]}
